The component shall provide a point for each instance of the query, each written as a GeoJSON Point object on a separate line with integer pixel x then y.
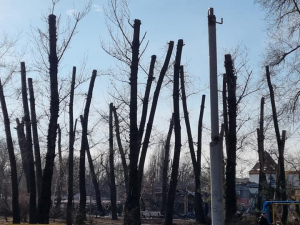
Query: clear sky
{"type": "Point", "coordinates": [164, 20]}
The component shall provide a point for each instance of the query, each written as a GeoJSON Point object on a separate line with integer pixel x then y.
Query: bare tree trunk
{"type": "Point", "coordinates": [84, 145]}
{"type": "Point", "coordinates": [121, 150]}
{"type": "Point", "coordinates": [60, 178]}
{"type": "Point", "coordinates": [152, 114]}
{"type": "Point", "coordinates": [132, 205]}
{"type": "Point", "coordinates": [113, 191]}
{"type": "Point", "coordinates": [95, 182]}
{"type": "Point", "coordinates": [166, 168]}
{"type": "Point", "coordinates": [146, 99]}
{"type": "Point", "coordinates": [198, 200]}
{"type": "Point", "coordinates": [22, 146]}
{"type": "Point", "coordinates": [36, 144]}
{"type": "Point", "coordinates": [45, 198]}
{"type": "Point", "coordinates": [13, 167]}
{"type": "Point", "coordinates": [262, 188]}
{"type": "Point", "coordinates": [177, 132]}
{"type": "Point", "coordinates": [71, 151]}
{"type": "Point", "coordinates": [29, 150]}
{"type": "Point", "coordinates": [230, 197]}
{"type": "Point", "coordinates": [280, 181]}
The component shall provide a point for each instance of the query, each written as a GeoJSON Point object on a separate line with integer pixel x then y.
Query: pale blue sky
{"type": "Point", "coordinates": [164, 20]}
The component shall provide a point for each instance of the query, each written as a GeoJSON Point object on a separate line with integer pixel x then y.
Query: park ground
{"type": "Point", "coordinates": [108, 221]}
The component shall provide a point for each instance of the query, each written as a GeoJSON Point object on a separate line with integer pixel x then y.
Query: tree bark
{"type": "Point", "coordinates": [45, 198]}
{"type": "Point", "coordinates": [200, 218]}
{"type": "Point", "coordinates": [280, 181]}
{"type": "Point", "coordinates": [121, 150]}
{"type": "Point", "coordinates": [29, 150]}
{"type": "Point", "coordinates": [22, 146]}
{"type": "Point", "coordinates": [95, 182]}
{"type": "Point", "coordinates": [132, 205]}
{"type": "Point", "coordinates": [84, 145]}
{"type": "Point", "coordinates": [12, 159]}
{"type": "Point", "coordinates": [36, 144]}
{"type": "Point", "coordinates": [146, 99]}
{"type": "Point", "coordinates": [113, 191]}
{"type": "Point", "coordinates": [177, 132]}
{"type": "Point", "coordinates": [198, 200]}
{"type": "Point", "coordinates": [71, 151]}
{"type": "Point", "coordinates": [60, 178]}
{"type": "Point", "coordinates": [230, 193]}
{"type": "Point", "coordinates": [166, 168]}
{"type": "Point", "coordinates": [262, 188]}
{"type": "Point", "coordinates": [152, 114]}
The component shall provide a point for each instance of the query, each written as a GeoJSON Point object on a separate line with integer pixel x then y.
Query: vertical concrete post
{"type": "Point", "coordinates": [217, 205]}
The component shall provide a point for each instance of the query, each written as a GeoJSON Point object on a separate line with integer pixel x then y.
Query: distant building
{"type": "Point", "coordinates": [270, 167]}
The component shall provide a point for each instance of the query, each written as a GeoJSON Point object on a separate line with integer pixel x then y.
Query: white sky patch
{"type": "Point", "coordinates": [71, 12]}
{"type": "Point", "coordinates": [98, 8]}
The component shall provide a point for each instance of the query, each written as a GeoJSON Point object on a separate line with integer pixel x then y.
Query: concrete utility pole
{"type": "Point", "coordinates": [216, 180]}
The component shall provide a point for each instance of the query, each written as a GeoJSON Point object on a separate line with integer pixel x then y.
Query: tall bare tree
{"type": "Point", "coordinates": [36, 144]}
{"type": "Point", "coordinates": [29, 150]}
{"type": "Point", "coordinates": [195, 161]}
{"type": "Point", "coordinates": [280, 178]}
{"type": "Point", "coordinates": [71, 150]}
{"type": "Point", "coordinates": [177, 132]}
{"type": "Point", "coordinates": [84, 146]}
{"type": "Point", "coordinates": [132, 205]}
{"type": "Point", "coordinates": [231, 141]}
{"type": "Point", "coordinates": [113, 191]}
{"type": "Point", "coordinates": [45, 197]}
{"type": "Point", "coordinates": [262, 188]}
{"type": "Point", "coordinates": [12, 159]}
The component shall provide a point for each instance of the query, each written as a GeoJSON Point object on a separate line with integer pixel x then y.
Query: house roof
{"type": "Point", "coordinates": [269, 164]}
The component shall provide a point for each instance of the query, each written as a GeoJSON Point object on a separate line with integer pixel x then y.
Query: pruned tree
{"type": "Point", "coordinates": [84, 146]}
{"type": "Point", "coordinates": [113, 191]}
{"type": "Point", "coordinates": [36, 144]}
{"type": "Point", "coordinates": [121, 150]}
{"type": "Point", "coordinates": [29, 149]}
{"type": "Point", "coordinates": [45, 197]}
{"type": "Point", "coordinates": [262, 188]}
{"type": "Point", "coordinates": [177, 132]}
{"type": "Point", "coordinates": [12, 159]}
{"type": "Point", "coordinates": [231, 141]}
{"type": "Point", "coordinates": [164, 188]}
{"type": "Point", "coordinates": [71, 150]}
{"type": "Point", "coordinates": [280, 192]}
{"type": "Point", "coordinates": [195, 161]}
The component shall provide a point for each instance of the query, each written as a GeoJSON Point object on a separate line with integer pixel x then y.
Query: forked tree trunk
{"type": "Point", "coordinates": [262, 187]}
{"type": "Point", "coordinates": [230, 192]}
{"type": "Point", "coordinates": [22, 146]}
{"type": "Point", "coordinates": [198, 200]}
{"type": "Point", "coordinates": [152, 114]}
{"type": "Point", "coordinates": [121, 150]}
{"type": "Point", "coordinates": [166, 168]}
{"type": "Point", "coordinates": [12, 159]}
{"type": "Point", "coordinates": [280, 179]}
{"type": "Point", "coordinates": [84, 146]}
{"type": "Point", "coordinates": [71, 151]}
{"type": "Point", "coordinates": [45, 198]}
{"type": "Point", "coordinates": [132, 205]}
{"type": "Point", "coordinates": [29, 150]}
{"type": "Point", "coordinates": [113, 191]}
{"type": "Point", "coordinates": [36, 144]}
{"type": "Point", "coordinates": [177, 132]}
